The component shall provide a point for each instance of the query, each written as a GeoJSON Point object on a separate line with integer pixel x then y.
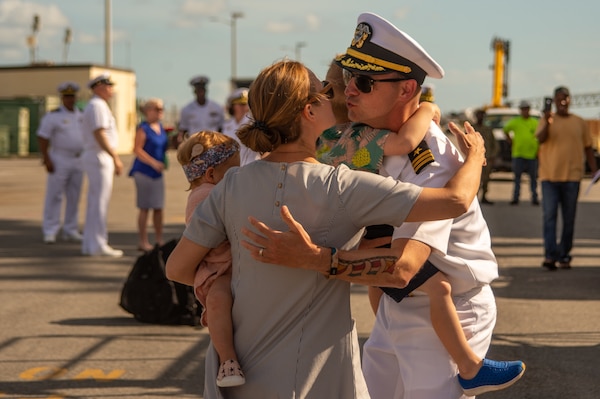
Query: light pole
{"type": "Point", "coordinates": [299, 46]}
{"type": "Point", "coordinates": [32, 39]}
{"type": "Point", "coordinates": [107, 33]}
{"type": "Point", "coordinates": [233, 24]}
{"type": "Point", "coordinates": [67, 41]}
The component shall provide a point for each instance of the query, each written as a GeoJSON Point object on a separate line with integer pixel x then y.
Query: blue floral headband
{"type": "Point", "coordinates": [212, 157]}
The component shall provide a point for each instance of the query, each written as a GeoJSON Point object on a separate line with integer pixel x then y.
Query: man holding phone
{"type": "Point", "coordinates": [565, 141]}
{"type": "Point", "coordinates": [524, 146]}
{"type": "Point", "coordinates": [548, 104]}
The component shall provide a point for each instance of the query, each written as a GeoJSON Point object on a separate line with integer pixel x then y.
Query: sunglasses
{"type": "Point", "coordinates": [327, 90]}
{"type": "Point", "coordinates": [364, 83]}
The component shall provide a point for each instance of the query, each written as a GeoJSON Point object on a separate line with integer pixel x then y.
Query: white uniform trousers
{"type": "Point", "coordinates": [404, 358]}
{"type": "Point", "coordinates": [99, 168]}
{"type": "Point", "coordinates": [65, 182]}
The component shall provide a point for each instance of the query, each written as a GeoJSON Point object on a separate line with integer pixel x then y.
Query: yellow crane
{"type": "Point", "coordinates": [500, 83]}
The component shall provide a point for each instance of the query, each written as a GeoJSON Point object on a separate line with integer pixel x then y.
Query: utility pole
{"type": "Point", "coordinates": [107, 33]}
{"type": "Point", "coordinates": [299, 46]}
{"type": "Point", "coordinates": [232, 22]}
{"type": "Point", "coordinates": [234, 17]}
{"type": "Point", "coordinates": [32, 39]}
{"type": "Point", "coordinates": [67, 41]}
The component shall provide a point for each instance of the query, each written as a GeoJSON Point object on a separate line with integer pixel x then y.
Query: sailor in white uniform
{"type": "Point", "coordinates": [201, 113]}
{"type": "Point", "coordinates": [61, 144]}
{"type": "Point", "coordinates": [100, 163]}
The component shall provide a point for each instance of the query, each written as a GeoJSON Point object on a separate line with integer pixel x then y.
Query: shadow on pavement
{"type": "Point", "coordinates": [24, 239]}
{"type": "Point", "coordinates": [578, 283]}
{"type": "Point", "coordinates": [549, 319]}
{"type": "Point", "coordinates": [553, 371]}
{"type": "Point", "coordinates": [181, 378]}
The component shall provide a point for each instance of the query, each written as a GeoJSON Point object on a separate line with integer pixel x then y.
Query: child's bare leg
{"type": "Point", "coordinates": [447, 326]}
{"type": "Point", "coordinates": [218, 314]}
{"type": "Point", "coordinates": [220, 327]}
{"type": "Point", "coordinates": [476, 376]}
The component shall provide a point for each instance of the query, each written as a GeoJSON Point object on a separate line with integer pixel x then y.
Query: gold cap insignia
{"type": "Point", "coordinates": [361, 34]}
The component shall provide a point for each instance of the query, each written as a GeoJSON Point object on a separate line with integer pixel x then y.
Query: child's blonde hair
{"type": "Point", "coordinates": [203, 150]}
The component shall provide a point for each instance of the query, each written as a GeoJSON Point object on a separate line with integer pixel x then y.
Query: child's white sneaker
{"type": "Point", "coordinates": [230, 374]}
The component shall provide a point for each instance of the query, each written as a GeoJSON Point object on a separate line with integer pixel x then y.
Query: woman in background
{"type": "Point", "coordinates": [150, 148]}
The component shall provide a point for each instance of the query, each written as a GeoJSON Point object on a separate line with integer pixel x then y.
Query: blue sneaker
{"type": "Point", "coordinates": [493, 376]}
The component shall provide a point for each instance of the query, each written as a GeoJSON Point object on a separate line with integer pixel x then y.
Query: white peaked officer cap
{"type": "Point", "coordinates": [68, 88]}
{"type": "Point", "coordinates": [379, 47]}
{"type": "Point", "coordinates": [200, 81]}
{"type": "Point", "coordinates": [239, 96]}
{"type": "Point", "coordinates": [103, 78]}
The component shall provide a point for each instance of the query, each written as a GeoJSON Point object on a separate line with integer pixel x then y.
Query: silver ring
{"type": "Point", "coordinates": [260, 252]}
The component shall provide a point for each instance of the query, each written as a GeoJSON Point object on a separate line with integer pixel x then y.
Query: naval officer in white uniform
{"type": "Point", "coordinates": [200, 114]}
{"type": "Point", "coordinates": [100, 163]}
{"type": "Point", "coordinates": [61, 145]}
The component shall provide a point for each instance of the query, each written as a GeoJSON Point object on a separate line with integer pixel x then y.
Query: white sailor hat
{"type": "Point", "coordinates": [379, 47]}
{"type": "Point", "coordinates": [199, 81]}
{"type": "Point", "coordinates": [68, 88]}
{"type": "Point", "coordinates": [239, 96]}
{"type": "Point", "coordinates": [103, 78]}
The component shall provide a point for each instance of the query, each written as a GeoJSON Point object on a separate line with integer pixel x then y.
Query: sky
{"type": "Point", "coordinates": [167, 42]}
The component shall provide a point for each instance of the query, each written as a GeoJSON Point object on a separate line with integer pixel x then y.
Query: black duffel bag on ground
{"type": "Point", "coordinates": [151, 298]}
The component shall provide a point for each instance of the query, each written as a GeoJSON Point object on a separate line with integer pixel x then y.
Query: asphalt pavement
{"type": "Point", "coordinates": [63, 334]}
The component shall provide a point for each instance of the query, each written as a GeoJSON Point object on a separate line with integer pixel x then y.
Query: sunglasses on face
{"type": "Point", "coordinates": [327, 90]}
{"type": "Point", "coordinates": [364, 83]}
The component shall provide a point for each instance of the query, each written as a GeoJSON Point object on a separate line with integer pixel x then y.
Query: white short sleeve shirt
{"type": "Point", "coordinates": [461, 246]}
